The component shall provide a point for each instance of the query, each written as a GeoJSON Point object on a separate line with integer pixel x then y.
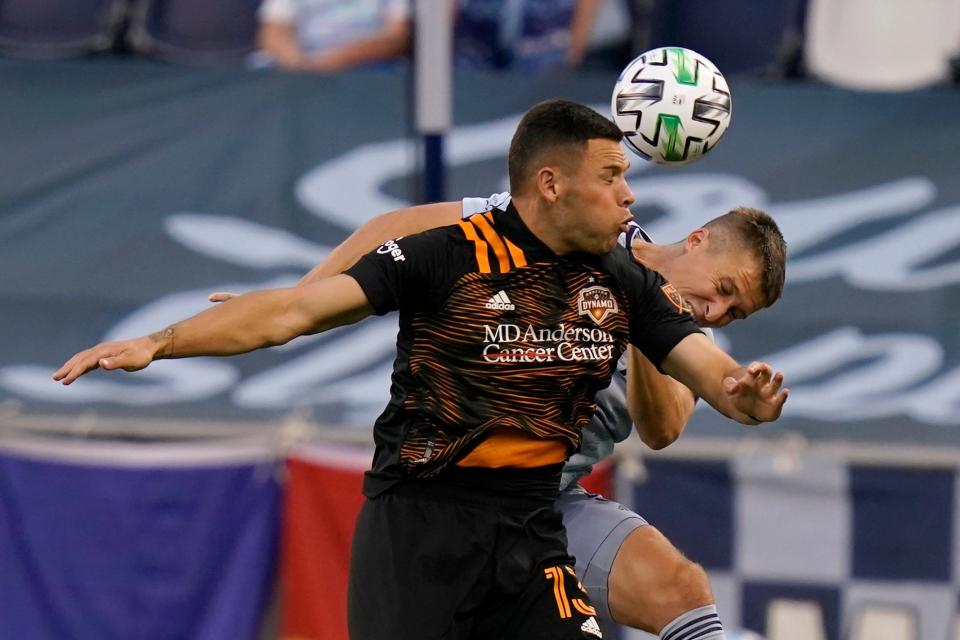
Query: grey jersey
{"type": "Point", "coordinates": [610, 424]}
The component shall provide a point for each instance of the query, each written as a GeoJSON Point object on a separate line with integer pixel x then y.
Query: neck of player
{"type": "Point", "coordinates": [657, 256]}
{"type": "Point", "coordinates": [543, 224]}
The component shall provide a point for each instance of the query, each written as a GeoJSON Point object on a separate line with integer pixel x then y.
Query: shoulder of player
{"type": "Point", "coordinates": [622, 266]}
{"type": "Point", "coordinates": [453, 249]}
{"type": "Point", "coordinates": [441, 236]}
{"type": "Point", "coordinates": [635, 279]}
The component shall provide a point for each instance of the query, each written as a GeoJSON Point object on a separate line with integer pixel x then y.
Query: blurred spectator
{"type": "Point", "coordinates": [332, 35]}
{"type": "Point", "coordinates": [905, 46]}
{"type": "Point", "coordinates": [527, 35]}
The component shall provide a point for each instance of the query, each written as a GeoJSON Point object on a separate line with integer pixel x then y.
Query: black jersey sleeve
{"type": "Point", "coordinates": [410, 272]}
{"type": "Point", "coordinates": [659, 317]}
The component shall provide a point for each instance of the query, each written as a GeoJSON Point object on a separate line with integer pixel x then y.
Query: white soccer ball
{"type": "Point", "coordinates": [672, 104]}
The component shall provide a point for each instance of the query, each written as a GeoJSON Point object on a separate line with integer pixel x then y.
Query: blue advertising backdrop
{"type": "Point", "coordinates": [131, 190]}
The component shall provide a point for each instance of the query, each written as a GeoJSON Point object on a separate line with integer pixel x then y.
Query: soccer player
{"type": "Point", "coordinates": [510, 322]}
{"type": "Point", "coordinates": [731, 267]}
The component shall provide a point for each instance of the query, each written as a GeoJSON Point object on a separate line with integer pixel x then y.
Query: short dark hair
{"type": "Point", "coordinates": [757, 232]}
{"type": "Point", "coordinates": [551, 124]}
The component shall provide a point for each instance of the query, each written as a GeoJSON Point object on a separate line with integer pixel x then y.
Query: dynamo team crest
{"type": "Point", "coordinates": [597, 302]}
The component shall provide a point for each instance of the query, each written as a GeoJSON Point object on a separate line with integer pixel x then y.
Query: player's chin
{"type": "Point", "coordinates": [609, 244]}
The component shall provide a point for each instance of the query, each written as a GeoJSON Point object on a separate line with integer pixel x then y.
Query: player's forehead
{"type": "Point", "coordinates": [601, 153]}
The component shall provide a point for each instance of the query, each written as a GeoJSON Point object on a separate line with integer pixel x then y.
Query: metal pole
{"type": "Point", "coordinates": [433, 62]}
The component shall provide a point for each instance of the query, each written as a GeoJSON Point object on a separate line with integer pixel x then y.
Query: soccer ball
{"type": "Point", "coordinates": [672, 105]}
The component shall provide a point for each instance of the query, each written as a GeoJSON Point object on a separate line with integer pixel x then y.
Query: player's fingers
{"type": "Point", "coordinates": [774, 385]}
{"type": "Point", "coordinates": [60, 373]}
{"type": "Point", "coordinates": [761, 371]}
{"type": "Point", "coordinates": [778, 402]}
{"type": "Point", "coordinates": [64, 371]}
{"type": "Point", "coordinates": [79, 367]}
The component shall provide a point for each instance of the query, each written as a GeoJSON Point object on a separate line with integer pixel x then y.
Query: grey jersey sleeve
{"type": "Point", "coordinates": [611, 423]}
{"type": "Point", "coordinates": [470, 206]}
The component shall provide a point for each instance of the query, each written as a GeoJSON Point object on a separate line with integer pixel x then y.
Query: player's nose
{"type": "Point", "coordinates": [716, 312]}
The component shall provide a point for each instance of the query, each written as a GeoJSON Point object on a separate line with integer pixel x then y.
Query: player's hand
{"type": "Point", "coordinates": [757, 393]}
{"type": "Point", "coordinates": [129, 355]}
{"type": "Point", "coordinates": [221, 296]}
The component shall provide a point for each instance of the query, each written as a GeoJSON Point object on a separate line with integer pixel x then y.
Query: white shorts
{"type": "Point", "coordinates": [596, 527]}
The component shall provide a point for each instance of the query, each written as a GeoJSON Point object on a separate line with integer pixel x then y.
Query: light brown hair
{"type": "Point", "coordinates": [758, 233]}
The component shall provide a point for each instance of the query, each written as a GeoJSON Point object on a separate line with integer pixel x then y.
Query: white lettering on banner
{"type": "Point", "coordinates": [894, 374]}
{"type": "Point", "coordinates": [892, 261]}
{"type": "Point", "coordinates": [346, 190]}
{"type": "Point", "coordinates": [906, 375]}
{"type": "Point", "coordinates": [242, 242]}
{"type": "Point", "coordinates": [335, 372]}
{"type": "Point", "coordinates": [163, 382]}
{"type": "Point", "coordinates": [846, 375]}
{"type": "Point", "coordinates": [685, 200]}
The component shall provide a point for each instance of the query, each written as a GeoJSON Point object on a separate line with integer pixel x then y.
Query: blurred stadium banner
{"type": "Point", "coordinates": [111, 539]}
{"type": "Point", "coordinates": [156, 185]}
{"type": "Point", "coordinates": [321, 503]}
{"type": "Point", "coordinates": [804, 545]}
{"type": "Point", "coordinates": [798, 544]}
{"type": "Point", "coordinates": [130, 190]}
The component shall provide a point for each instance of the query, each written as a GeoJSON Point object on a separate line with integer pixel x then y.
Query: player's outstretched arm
{"type": "Point", "coordinates": [257, 319]}
{"type": "Point", "coordinates": [376, 231]}
{"type": "Point", "coordinates": [749, 395]}
{"type": "Point", "coordinates": [373, 233]}
{"type": "Point", "coordinates": [659, 405]}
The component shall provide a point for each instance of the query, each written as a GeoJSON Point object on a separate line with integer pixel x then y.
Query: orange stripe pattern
{"type": "Point", "coordinates": [515, 448]}
{"type": "Point", "coordinates": [583, 607]}
{"type": "Point", "coordinates": [468, 380]}
{"type": "Point", "coordinates": [483, 262]}
{"type": "Point", "coordinates": [559, 591]}
{"type": "Point", "coordinates": [516, 254]}
{"type": "Point", "coordinates": [503, 250]}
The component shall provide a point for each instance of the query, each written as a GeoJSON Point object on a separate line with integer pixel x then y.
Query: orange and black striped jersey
{"type": "Point", "coordinates": [502, 344]}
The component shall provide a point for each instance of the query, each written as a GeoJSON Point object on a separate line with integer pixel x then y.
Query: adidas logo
{"type": "Point", "coordinates": [591, 627]}
{"type": "Point", "coordinates": [500, 302]}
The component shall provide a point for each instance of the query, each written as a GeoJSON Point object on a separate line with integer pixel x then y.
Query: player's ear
{"type": "Point", "coordinates": [697, 239]}
{"type": "Point", "coordinates": [548, 183]}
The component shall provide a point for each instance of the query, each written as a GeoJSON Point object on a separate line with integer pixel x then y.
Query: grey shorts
{"type": "Point", "coordinates": [596, 527]}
